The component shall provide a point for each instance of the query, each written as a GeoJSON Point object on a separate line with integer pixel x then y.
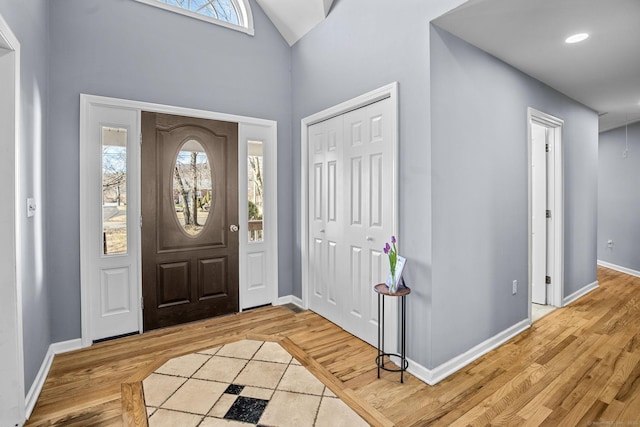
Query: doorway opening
{"type": "Point", "coordinates": [112, 215]}
{"type": "Point", "coordinates": [545, 213]}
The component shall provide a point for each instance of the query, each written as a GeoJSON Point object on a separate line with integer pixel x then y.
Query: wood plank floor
{"type": "Point", "coordinates": [579, 365]}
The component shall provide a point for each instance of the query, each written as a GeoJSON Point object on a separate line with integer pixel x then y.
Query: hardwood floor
{"type": "Point", "coordinates": [579, 365]}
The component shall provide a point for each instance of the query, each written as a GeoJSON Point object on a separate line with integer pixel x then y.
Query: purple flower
{"type": "Point", "coordinates": [387, 248]}
{"type": "Point", "coordinates": [393, 239]}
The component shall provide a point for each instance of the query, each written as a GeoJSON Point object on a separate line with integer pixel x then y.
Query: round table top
{"type": "Point", "coordinates": [383, 289]}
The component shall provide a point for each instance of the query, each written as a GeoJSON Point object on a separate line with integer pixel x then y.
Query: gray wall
{"type": "Point", "coordinates": [619, 197]}
{"type": "Point", "coordinates": [480, 192]}
{"type": "Point", "coordinates": [29, 22]}
{"type": "Point", "coordinates": [126, 49]}
{"type": "Point", "coordinates": [463, 222]}
{"type": "Point", "coordinates": [361, 46]}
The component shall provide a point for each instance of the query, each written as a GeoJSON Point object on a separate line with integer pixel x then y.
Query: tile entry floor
{"type": "Point", "coordinates": [244, 383]}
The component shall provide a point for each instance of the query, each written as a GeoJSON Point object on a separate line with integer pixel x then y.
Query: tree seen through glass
{"type": "Point", "coordinates": [192, 187]}
{"type": "Point", "coordinates": [255, 192]}
{"type": "Point", "coordinates": [114, 190]}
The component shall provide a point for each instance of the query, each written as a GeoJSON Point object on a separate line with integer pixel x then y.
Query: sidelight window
{"type": "Point", "coordinates": [255, 191]}
{"type": "Point", "coordinates": [114, 190]}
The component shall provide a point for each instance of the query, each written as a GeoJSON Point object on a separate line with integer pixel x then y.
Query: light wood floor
{"type": "Point", "coordinates": [579, 365]}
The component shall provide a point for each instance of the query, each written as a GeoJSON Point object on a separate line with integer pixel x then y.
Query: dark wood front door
{"type": "Point", "coordinates": [189, 219]}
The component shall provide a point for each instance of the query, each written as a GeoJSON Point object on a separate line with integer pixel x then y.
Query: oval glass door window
{"type": "Point", "coordinates": [192, 187]}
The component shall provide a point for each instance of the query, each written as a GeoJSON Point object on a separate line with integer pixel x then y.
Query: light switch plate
{"type": "Point", "coordinates": [31, 207]}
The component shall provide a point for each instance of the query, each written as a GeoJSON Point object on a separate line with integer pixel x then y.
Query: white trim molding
{"type": "Point", "coordinates": [619, 268]}
{"type": "Point", "coordinates": [38, 383]}
{"type": "Point", "coordinates": [439, 373]}
{"type": "Point", "coordinates": [291, 299]}
{"type": "Point", "coordinates": [12, 222]}
{"type": "Point", "coordinates": [580, 293]}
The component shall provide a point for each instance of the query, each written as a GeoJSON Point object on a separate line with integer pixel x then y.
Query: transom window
{"type": "Point", "coordinates": [234, 14]}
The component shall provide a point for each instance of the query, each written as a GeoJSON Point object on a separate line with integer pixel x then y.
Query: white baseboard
{"type": "Point", "coordinates": [439, 373]}
{"type": "Point", "coordinates": [579, 293]}
{"type": "Point", "coordinates": [38, 383]}
{"type": "Point", "coordinates": [619, 268]}
{"type": "Point", "coordinates": [36, 387]}
{"type": "Point", "coordinates": [290, 299]}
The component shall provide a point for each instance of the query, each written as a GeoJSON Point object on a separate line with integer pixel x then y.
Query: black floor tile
{"type": "Point", "coordinates": [234, 389]}
{"type": "Point", "coordinates": [246, 409]}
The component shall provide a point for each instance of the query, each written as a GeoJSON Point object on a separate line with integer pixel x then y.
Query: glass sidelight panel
{"type": "Point", "coordinates": [255, 191]}
{"type": "Point", "coordinates": [114, 190]}
{"type": "Point", "coordinates": [193, 188]}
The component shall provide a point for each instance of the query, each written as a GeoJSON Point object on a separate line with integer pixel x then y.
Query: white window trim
{"type": "Point", "coordinates": [242, 6]}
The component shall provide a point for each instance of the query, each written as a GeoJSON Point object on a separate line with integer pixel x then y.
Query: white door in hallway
{"type": "Point", "coordinates": [538, 213]}
{"type": "Point", "coordinates": [546, 209]}
{"type": "Point", "coordinates": [351, 209]}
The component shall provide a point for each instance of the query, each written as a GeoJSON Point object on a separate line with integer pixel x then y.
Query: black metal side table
{"type": "Point", "coordinates": [383, 291]}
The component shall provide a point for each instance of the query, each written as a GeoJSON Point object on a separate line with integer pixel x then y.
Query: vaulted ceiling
{"type": "Point", "coordinates": [603, 72]}
{"type": "Point", "coordinates": [295, 18]}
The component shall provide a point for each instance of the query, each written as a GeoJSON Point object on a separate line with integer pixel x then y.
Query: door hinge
{"type": "Point", "coordinates": [546, 147]}
{"type": "Point", "coordinates": [142, 303]}
{"type": "Point", "coordinates": [548, 213]}
{"type": "Point", "coordinates": [140, 221]}
{"type": "Point", "coordinates": [141, 139]}
{"type": "Point", "coordinates": [547, 280]}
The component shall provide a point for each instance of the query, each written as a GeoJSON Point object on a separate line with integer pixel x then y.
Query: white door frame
{"type": "Point", "coordinates": [12, 391]}
{"type": "Point", "coordinates": [388, 91]}
{"type": "Point", "coordinates": [554, 126]}
{"type": "Point", "coordinates": [245, 126]}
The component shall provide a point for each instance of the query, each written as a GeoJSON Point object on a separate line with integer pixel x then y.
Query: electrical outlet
{"type": "Point", "coordinates": [610, 243]}
{"type": "Point", "coordinates": [515, 287]}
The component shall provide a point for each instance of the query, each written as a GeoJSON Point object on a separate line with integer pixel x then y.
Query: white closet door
{"type": "Point", "coordinates": [368, 153]}
{"type": "Point", "coordinates": [326, 220]}
{"type": "Point", "coordinates": [350, 215]}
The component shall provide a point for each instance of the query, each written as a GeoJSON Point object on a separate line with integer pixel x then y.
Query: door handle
{"type": "Point", "coordinates": [233, 228]}
{"type": "Point", "coordinates": [369, 239]}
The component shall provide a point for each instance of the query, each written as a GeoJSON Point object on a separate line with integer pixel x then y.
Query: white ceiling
{"type": "Point", "coordinates": [602, 72]}
{"type": "Point", "coordinates": [295, 18]}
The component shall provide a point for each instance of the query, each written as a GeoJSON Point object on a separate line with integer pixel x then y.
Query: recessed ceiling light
{"type": "Point", "coordinates": [576, 38]}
